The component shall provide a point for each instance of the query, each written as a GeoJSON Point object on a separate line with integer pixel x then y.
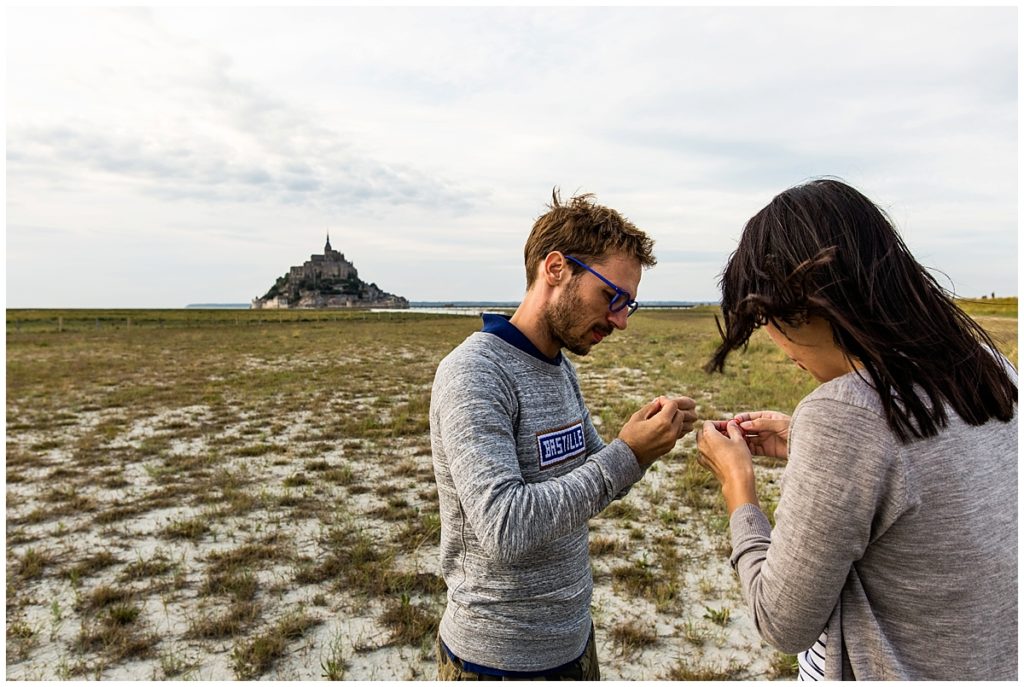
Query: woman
{"type": "Point", "coordinates": [895, 539]}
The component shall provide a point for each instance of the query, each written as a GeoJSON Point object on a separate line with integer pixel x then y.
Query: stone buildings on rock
{"type": "Point", "coordinates": [326, 281]}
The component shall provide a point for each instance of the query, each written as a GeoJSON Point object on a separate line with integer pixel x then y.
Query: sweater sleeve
{"type": "Point", "coordinates": [476, 411]}
{"type": "Point", "coordinates": [843, 487]}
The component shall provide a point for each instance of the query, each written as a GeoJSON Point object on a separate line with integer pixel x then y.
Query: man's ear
{"type": "Point", "coordinates": [553, 269]}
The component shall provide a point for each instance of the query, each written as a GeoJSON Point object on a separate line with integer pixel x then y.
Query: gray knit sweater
{"type": "Point", "coordinates": [907, 553]}
{"type": "Point", "coordinates": [520, 470]}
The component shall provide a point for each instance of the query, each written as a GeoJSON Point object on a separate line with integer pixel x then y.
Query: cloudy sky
{"type": "Point", "coordinates": [163, 156]}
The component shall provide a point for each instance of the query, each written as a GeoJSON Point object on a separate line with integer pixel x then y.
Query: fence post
{"type": "Point", "coordinates": [60, 324]}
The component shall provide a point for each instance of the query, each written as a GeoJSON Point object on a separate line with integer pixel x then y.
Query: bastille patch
{"type": "Point", "coordinates": [557, 445]}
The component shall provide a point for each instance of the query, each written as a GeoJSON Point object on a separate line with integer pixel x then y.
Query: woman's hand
{"type": "Point", "coordinates": [766, 432]}
{"type": "Point", "coordinates": [728, 458]}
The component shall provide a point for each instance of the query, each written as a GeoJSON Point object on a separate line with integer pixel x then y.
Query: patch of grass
{"type": "Point", "coordinates": [102, 597]}
{"type": "Point", "coordinates": [159, 564]}
{"type": "Point", "coordinates": [118, 514]}
{"type": "Point", "coordinates": [685, 671]}
{"type": "Point", "coordinates": [694, 633]}
{"type": "Point", "coordinates": [239, 585]}
{"type": "Point", "coordinates": [422, 531]}
{"type": "Point", "coordinates": [332, 661]}
{"type": "Point", "coordinates": [101, 560]}
{"type": "Point", "coordinates": [254, 658]}
{"type": "Point", "coordinates": [396, 508]}
{"type": "Point", "coordinates": [253, 450]}
{"type": "Point", "coordinates": [719, 616]}
{"type": "Point", "coordinates": [247, 555]}
{"type": "Point", "coordinates": [230, 622]}
{"type": "Point", "coordinates": [299, 479]}
{"type": "Point", "coordinates": [640, 579]}
{"type": "Point", "coordinates": [117, 634]}
{"type": "Point", "coordinates": [341, 475]}
{"type": "Point", "coordinates": [783, 666]}
{"type": "Point", "coordinates": [409, 623]}
{"type": "Point", "coordinates": [21, 640]}
{"type": "Point", "coordinates": [31, 564]}
{"type": "Point", "coordinates": [631, 637]}
{"type": "Point", "coordinates": [1001, 307]}
{"type": "Point", "coordinates": [620, 510]}
{"type": "Point", "coordinates": [174, 664]}
{"type": "Point", "coordinates": [192, 529]}
{"type": "Point", "coordinates": [606, 546]}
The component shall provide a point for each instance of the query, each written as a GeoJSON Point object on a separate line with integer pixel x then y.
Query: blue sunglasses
{"type": "Point", "coordinates": [622, 298]}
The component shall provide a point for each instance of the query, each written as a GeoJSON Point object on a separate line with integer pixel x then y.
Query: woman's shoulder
{"type": "Point", "coordinates": [853, 390]}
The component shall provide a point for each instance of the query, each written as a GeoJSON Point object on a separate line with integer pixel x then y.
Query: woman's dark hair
{"type": "Point", "coordinates": [822, 249]}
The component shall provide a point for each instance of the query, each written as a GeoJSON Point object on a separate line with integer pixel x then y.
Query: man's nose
{"type": "Point", "coordinates": [618, 318]}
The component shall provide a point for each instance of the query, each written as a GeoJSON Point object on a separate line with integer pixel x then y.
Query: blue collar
{"type": "Point", "coordinates": [502, 327]}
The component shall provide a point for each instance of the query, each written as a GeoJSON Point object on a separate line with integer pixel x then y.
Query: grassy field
{"type": "Point", "coordinates": [245, 494]}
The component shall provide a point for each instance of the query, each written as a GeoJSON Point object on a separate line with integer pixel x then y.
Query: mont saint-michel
{"type": "Point", "coordinates": [326, 281]}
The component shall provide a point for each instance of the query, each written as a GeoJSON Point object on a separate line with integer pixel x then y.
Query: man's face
{"type": "Point", "coordinates": [579, 316]}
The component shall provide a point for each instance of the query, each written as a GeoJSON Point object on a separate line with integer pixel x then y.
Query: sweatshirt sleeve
{"type": "Point", "coordinates": [475, 412]}
{"type": "Point", "coordinates": [843, 487]}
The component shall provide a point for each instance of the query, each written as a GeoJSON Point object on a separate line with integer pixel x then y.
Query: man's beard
{"type": "Point", "coordinates": [563, 318]}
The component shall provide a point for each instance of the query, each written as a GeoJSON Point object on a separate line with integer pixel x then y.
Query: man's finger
{"type": "Point", "coordinates": [685, 403]}
{"type": "Point", "coordinates": [654, 407]}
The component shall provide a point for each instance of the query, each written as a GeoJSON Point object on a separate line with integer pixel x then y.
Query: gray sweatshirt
{"type": "Point", "coordinates": [907, 553]}
{"type": "Point", "coordinates": [520, 470]}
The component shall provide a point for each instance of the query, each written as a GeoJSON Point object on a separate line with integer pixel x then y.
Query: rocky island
{"type": "Point", "coordinates": [326, 281]}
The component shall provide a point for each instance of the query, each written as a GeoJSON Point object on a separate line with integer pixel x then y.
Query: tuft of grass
{"type": "Point", "coordinates": [230, 622]}
{"type": "Point", "coordinates": [239, 585]}
{"type": "Point", "coordinates": [254, 658]}
{"type": "Point", "coordinates": [631, 637]}
{"type": "Point", "coordinates": [253, 450]}
{"type": "Point", "coordinates": [718, 616]}
{"type": "Point", "coordinates": [31, 564]}
{"type": "Point", "coordinates": [639, 579]}
{"type": "Point", "coordinates": [174, 664]}
{"type": "Point", "coordinates": [192, 529]}
{"type": "Point", "coordinates": [620, 510]}
{"type": "Point", "coordinates": [117, 634]}
{"type": "Point", "coordinates": [102, 597]}
{"type": "Point", "coordinates": [783, 666]}
{"type": "Point", "coordinates": [101, 560]}
{"type": "Point", "coordinates": [422, 531]}
{"type": "Point", "coordinates": [299, 479]}
{"type": "Point", "coordinates": [342, 476]}
{"type": "Point", "coordinates": [397, 508]}
{"type": "Point", "coordinates": [409, 623]}
{"type": "Point", "coordinates": [604, 546]}
{"type": "Point", "coordinates": [684, 671]}
{"type": "Point", "coordinates": [333, 664]}
{"type": "Point", "coordinates": [141, 569]}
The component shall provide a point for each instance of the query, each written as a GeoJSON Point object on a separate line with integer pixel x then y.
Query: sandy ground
{"type": "Point", "coordinates": [47, 616]}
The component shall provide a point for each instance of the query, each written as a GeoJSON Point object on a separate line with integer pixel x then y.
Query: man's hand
{"type": "Point", "coordinates": [687, 408]}
{"type": "Point", "coordinates": [652, 431]}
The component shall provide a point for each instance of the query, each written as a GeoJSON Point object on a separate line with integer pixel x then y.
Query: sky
{"type": "Point", "coordinates": [158, 157]}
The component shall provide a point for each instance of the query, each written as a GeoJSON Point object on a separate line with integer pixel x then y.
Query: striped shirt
{"type": "Point", "coordinates": [811, 663]}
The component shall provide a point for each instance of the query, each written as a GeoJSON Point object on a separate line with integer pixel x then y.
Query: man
{"type": "Point", "coordinates": [520, 468]}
